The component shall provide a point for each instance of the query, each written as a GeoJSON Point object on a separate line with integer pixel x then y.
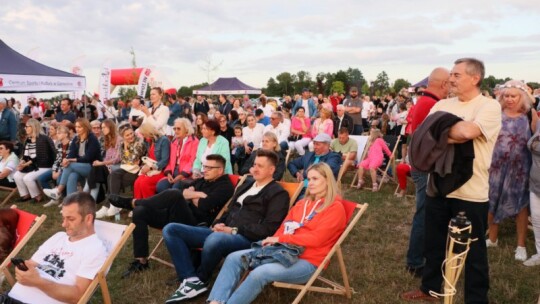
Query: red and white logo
{"type": "Point", "coordinates": [1, 82]}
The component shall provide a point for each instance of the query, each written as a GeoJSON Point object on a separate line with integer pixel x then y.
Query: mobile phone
{"type": "Point", "coordinates": [19, 263]}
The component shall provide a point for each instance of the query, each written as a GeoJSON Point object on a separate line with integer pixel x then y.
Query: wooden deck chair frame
{"type": "Point", "coordinates": [101, 276]}
{"type": "Point", "coordinates": [153, 256]}
{"type": "Point", "coordinates": [409, 182]}
{"type": "Point", "coordinates": [293, 189]}
{"type": "Point", "coordinates": [335, 288]}
{"type": "Point", "coordinates": [347, 166]}
{"type": "Point", "coordinates": [11, 193]}
{"type": "Point", "coordinates": [360, 159]}
{"type": "Point", "coordinates": [391, 162]}
{"type": "Point", "coordinates": [30, 228]}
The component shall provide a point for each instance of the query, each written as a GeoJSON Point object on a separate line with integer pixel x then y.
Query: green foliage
{"type": "Point", "coordinates": [399, 84]}
{"type": "Point", "coordinates": [365, 88]}
{"type": "Point", "coordinates": [338, 86]}
{"type": "Point", "coordinates": [127, 93]}
{"type": "Point", "coordinates": [490, 82]}
{"type": "Point", "coordinates": [534, 85]}
{"type": "Point", "coordinates": [382, 83]}
{"type": "Point", "coordinates": [188, 91]}
{"type": "Point", "coordinates": [303, 80]}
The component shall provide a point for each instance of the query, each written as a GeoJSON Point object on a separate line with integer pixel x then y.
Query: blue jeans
{"type": "Point", "coordinates": [72, 174]}
{"type": "Point", "coordinates": [45, 179]}
{"type": "Point", "coordinates": [232, 270]}
{"type": "Point", "coordinates": [180, 238]}
{"type": "Point", "coordinates": [358, 130]}
{"type": "Point", "coordinates": [415, 253]}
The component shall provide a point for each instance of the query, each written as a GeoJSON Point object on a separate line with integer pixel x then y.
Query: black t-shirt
{"type": "Point", "coordinates": [90, 112]}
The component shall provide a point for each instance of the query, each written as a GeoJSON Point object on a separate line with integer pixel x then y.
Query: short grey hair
{"type": "Point", "coordinates": [474, 67]}
{"type": "Point", "coordinates": [186, 124]}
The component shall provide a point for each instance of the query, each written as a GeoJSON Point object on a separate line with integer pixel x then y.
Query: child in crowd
{"type": "Point", "coordinates": [237, 146]}
{"type": "Point", "coordinates": [374, 159]}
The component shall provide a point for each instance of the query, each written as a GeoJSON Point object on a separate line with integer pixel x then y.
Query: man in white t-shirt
{"type": "Point", "coordinates": [64, 266]}
{"type": "Point", "coordinates": [278, 128]}
{"type": "Point", "coordinates": [136, 115]}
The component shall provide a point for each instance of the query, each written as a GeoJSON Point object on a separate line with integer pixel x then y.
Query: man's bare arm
{"type": "Point", "coordinates": [463, 131]}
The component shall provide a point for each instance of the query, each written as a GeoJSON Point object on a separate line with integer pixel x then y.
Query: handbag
{"type": "Point", "coordinates": [131, 168]}
{"type": "Point", "coordinates": [152, 164]}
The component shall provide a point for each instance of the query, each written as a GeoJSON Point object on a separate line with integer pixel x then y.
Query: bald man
{"type": "Point", "coordinates": [436, 90]}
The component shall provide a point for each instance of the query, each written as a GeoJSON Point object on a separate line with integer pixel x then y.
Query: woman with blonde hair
{"type": "Point", "coordinates": [269, 142]}
{"type": "Point", "coordinates": [510, 165]}
{"type": "Point", "coordinates": [312, 226]}
{"type": "Point", "coordinates": [182, 153]}
{"type": "Point", "coordinates": [157, 158]}
{"type": "Point", "coordinates": [38, 156]}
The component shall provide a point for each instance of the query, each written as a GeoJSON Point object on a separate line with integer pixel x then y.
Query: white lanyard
{"type": "Point", "coordinates": [311, 212]}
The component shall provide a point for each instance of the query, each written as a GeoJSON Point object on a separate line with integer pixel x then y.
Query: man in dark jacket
{"type": "Point", "coordinates": [321, 154]}
{"type": "Point", "coordinates": [342, 120]}
{"type": "Point", "coordinates": [257, 209]}
{"type": "Point", "coordinates": [197, 204]}
{"type": "Point", "coordinates": [8, 122]}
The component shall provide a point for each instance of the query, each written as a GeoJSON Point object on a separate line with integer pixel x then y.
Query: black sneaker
{"type": "Point", "coordinates": [135, 267]}
{"type": "Point", "coordinates": [120, 201]}
{"type": "Point", "coordinates": [188, 290]}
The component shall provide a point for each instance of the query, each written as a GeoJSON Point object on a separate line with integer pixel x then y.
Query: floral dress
{"type": "Point", "coordinates": [509, 171]}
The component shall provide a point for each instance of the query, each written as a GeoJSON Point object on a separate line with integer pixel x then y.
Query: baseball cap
{"type": "Point", "coordinates": [323, 137]}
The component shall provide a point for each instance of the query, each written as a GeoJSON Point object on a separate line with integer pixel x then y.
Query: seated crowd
{"type": "Point", "coordinates": [174, 154]}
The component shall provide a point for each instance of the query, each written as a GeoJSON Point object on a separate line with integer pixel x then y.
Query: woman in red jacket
{"type": "Point", "coordinates": [183, 151]}
{"type": "Point", "coordinates": [315, 223]}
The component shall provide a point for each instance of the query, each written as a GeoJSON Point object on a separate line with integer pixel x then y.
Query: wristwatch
{"type": "Point", "coordinates": [234, 230]}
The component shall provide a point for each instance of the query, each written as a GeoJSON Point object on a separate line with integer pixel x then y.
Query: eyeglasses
{"type": "Point", "coordinates": [206, 168]}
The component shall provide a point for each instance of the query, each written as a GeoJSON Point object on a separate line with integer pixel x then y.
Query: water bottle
{"type": "Point", "coordinates": [117, 217]}
{"type": "Point", "coordinates": [460, 222]}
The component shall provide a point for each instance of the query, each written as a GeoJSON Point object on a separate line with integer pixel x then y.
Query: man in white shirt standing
{"type": "Point", "coordinates": [277, 127]}
{"type": "Point", "coordinates": [65, 265]}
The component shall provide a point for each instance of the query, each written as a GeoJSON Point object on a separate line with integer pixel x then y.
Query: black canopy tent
{"type": "Point", "coordinates": [19, 74]}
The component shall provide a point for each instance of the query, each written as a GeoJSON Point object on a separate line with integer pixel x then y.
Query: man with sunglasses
{"type": "Point", "coordinates": [196, 205]}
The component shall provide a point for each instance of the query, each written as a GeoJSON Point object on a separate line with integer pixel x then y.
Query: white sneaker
{"type": "Point", "coordinates": [51, 203]}
{"type": "Point", "coordinates": [102, 212]}
{"type": "Point", "coordinates": [521, 254]}
{"type": "Point", "coordinates": [113, 210]}
{"type": "Point", "coordinates": [533, 260]}
{"type": "Point", "coordinates": [52, 193]}
{"type": "Point", "coordinates": [489, 243]}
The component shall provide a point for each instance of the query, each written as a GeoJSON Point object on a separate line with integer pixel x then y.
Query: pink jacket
{"type": "Point", "coordinates": [327, 126]}
{"type": "Point", "coordinates": [185, 159]}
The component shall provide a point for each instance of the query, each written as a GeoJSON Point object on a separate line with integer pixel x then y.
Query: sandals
{"type": "Point", "coordinates": [360, 184]}
{"type": "Point", "coordinates": [375, 187]}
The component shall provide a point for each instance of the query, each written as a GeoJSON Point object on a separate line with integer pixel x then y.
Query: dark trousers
{"type": "Point", "coordinates": [358, 130]}
{"type": "Point", "coordinates": [4, 182]}
{"type": "Point", "coordinates": [119, 179]}
{"type": "Point", "coordinates": [439, 211]}
{"type": "Point", "coordinates": [157, 211]}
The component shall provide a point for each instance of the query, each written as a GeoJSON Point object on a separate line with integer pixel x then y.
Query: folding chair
{"type": "Point", "coordinates": [335, 288]}
{"type": "Point", "coordinates": [293, 189]}
{"type": "Point", "coordinates": [27, 225]}
{"type": "Point", "coordinates": [363, 147]}
{"type": "Point", "coordinates": [392, 141]}
{"type": "Point", "coordinates": [11, 193]}
{"type": "Point", "coordinates": [113, 236]}
{"type": "Point", "coordinates": [236, 180]}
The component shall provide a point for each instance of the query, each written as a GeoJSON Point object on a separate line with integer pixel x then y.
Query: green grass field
{"type": "Point", "coordinates": [374, 254]}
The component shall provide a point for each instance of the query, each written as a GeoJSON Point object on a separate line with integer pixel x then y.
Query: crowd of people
{"type": "Point", "coordinates": [176, 153]}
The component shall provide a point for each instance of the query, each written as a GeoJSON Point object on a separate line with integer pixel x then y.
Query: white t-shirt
{"type": "Point", "coordinates": [254, 190]}
{"type": "Point", "coordinates": [253, 135]}
{"type": "Point", "coordinates": [268, 110]}
{"type": "Point", "coordinates": [367, 108]}
{"type": "Point", "coordinates": [10, 163]}
{"type": "Point", "coordinates": [305, 104]}
{"type": "Point", "coordinates": [280, 131]}
{"type": "Point", "coordinates": [135, 112]}
{"type": "Point", "coordinates": [62, 261]}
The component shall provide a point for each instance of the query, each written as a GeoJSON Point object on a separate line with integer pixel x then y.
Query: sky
{"type": "Point", "coordinates": [256, 40]}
